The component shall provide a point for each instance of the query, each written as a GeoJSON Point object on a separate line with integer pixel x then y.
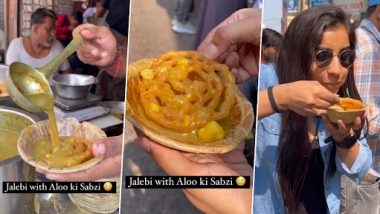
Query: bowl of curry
{"type": "Point", "coordinates": [74, 152]}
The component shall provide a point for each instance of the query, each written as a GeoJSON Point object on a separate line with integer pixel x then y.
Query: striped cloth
{"type": "Point", "coordinates": [367, 77]}
{"type": "Point", "coordinates": [367, 70]}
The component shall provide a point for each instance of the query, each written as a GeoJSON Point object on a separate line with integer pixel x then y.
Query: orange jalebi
{"type": "Point", "coordinates": [351, 104]}
{"type": "Point", "coordinates": [183, 91]}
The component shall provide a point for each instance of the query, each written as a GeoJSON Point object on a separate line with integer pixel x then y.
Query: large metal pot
{"type": "Point", "coordinates": [73, 86]}
{"type": "Point", "coordinates": [14, 168]}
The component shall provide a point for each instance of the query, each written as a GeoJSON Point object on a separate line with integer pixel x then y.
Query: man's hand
{"type": "Point", "coordinates": [108, 148]}
{"type": "Point", "coordinates": [236, 42]}
{"type": "Point", "coordinates": [99, 48]}
{"type": "Point", "coordinates": [232, 163]}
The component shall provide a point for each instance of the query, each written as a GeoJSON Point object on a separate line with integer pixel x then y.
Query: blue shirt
{"type": "Point", "coordinates": [267, 194]}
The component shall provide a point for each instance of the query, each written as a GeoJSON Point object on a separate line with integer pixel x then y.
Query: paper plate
{"type": "Point", "coordinates": [97, 202]}
{"type": "Point", "coordinates": [353, 108]}
{"type": "Point", "coordinates": [66, 127]}
{"type": "Point", "coordinates": [240, 121]}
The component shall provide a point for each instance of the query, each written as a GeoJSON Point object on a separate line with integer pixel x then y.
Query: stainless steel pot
{"type": "Point", "coordinates": [14, 168]}
{"type": "Point", "coordinates": [73, 86]}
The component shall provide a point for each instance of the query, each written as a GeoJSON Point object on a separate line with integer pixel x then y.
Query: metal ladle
{"type": "Point", "coordinates": [23, 80]}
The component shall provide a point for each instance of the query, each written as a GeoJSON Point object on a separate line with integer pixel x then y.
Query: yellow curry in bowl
{"type": "Point", "coordinates": [57, 151]}
{"type": "Point", "coordinates": [74, 150]}
{"type": "Point", "coordinates": [12, 122]}
{"type": "Point", "coordinates": [71, 151]}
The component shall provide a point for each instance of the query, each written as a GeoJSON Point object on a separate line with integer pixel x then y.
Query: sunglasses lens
{"type": "Point", "coordinates": [323, 58]}
{"type": "Point", "coordinates": [347, 58]}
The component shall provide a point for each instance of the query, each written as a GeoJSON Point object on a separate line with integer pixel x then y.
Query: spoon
{"type": "Point", "coordinates": [24, 83]}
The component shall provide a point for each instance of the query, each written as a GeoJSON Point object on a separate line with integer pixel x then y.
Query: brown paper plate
{"type": "Point", "coordinates": [335, 112]}
{"type": "Point", "coordinates": [97, 202]}
{"type": "Point", "coordinates": [240, 122]}
{"type": "Point", "coordinates": [66, 127]}
{"type": "Point", "coordinates": [347, 116]}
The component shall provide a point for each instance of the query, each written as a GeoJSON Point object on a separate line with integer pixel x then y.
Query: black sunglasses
{"type": "Point", "coordinates": [323, 58]}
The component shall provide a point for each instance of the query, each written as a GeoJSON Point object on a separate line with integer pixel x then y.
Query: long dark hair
{"type": "Point", "coordinates": [300, 42]}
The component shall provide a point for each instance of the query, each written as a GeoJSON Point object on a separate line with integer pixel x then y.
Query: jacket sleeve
{"type": "Point", "coordinates": [361, 165]}
{"type": "Point", "coordinates": [267, 77]}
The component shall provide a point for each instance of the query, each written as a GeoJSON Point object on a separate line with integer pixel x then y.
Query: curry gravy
{"type": "Point", "coordinates": [8, 144]}
{"type": "Point", "coordinates": [46, 101]}
{"type": "Point", "coordinates": [71, 151]}
{"type": "Point", "coordinates": [58, 151]}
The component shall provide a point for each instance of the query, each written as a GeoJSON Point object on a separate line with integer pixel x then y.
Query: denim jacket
{"type": "Point", "coordinates": [267, 193]}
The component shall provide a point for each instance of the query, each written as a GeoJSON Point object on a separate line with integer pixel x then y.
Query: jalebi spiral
{"type": "Point", "coordinates": [183, 91]}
